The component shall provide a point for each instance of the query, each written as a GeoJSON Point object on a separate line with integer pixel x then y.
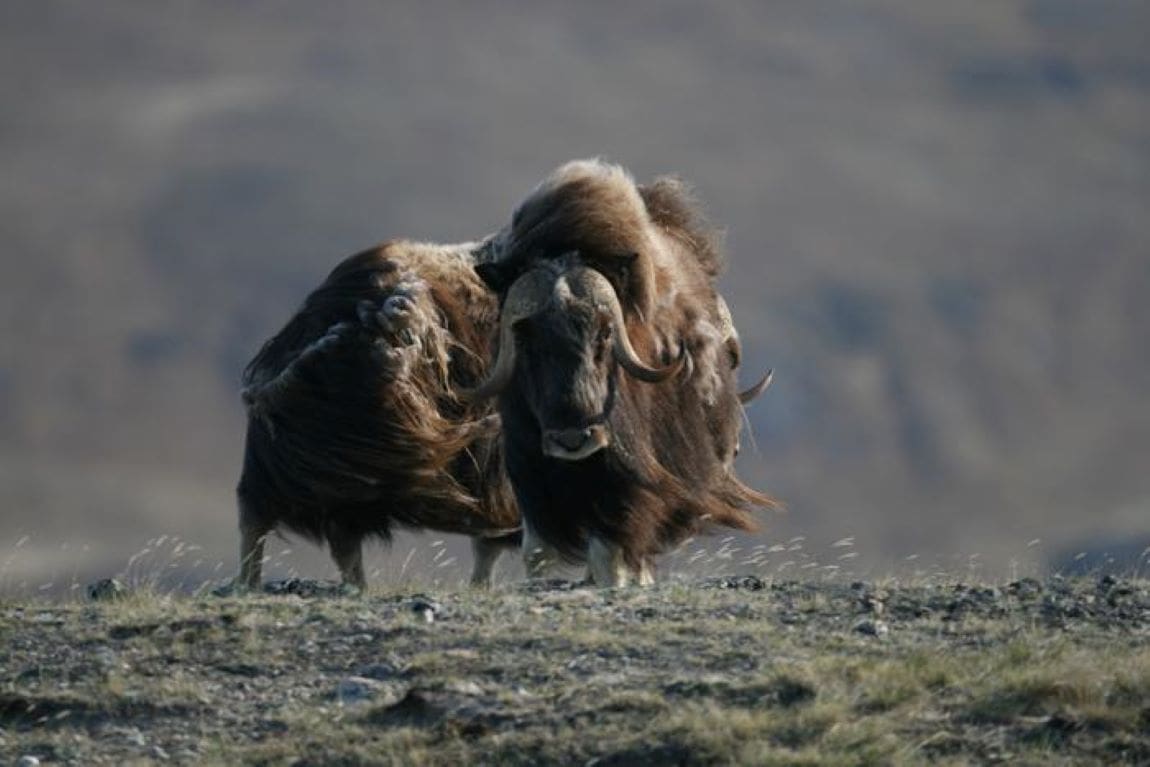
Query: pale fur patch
{"type": "Point", "coordinates": [711, 337]}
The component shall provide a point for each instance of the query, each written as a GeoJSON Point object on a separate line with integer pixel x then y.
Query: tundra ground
{"type": "Point", "coordinates": [720, 671]}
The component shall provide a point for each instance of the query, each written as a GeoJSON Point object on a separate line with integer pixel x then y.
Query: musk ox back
{"type": "Point", "coordinates": [616, 372]}
{"type": "Point", "coordinates": [353, 424]}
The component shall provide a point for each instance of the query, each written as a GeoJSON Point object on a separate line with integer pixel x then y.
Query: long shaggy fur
{"type": "Point", "coordinates": [354, 428]}
{"type": "Point", "coordinates": [668, 473]}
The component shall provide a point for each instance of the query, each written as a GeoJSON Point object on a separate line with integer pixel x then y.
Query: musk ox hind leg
{"type": "Point", "coordinates": [253, 533]}
{"type": "Point", "coordinates": [252, 537]}
{"type": "Point", "coordinates": [485, 553]}
{"type": "Point", "coordinates": [347, 551]}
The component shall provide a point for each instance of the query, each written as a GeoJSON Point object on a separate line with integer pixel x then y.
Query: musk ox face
{"type": "Point", "coordinates": [570, 379]}
{"type": "Point", "coordinates": [563, 344]}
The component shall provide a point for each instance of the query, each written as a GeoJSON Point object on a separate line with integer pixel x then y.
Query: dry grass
{"type": "Point", "coordinates": [681, 674]}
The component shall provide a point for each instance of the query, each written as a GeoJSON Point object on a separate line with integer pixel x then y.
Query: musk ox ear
{"type": "Point", "coordinates": [496, 276]}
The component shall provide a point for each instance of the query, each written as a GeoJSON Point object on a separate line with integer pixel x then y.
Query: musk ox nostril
{"type": "Point", "coordinates": [571, 439]}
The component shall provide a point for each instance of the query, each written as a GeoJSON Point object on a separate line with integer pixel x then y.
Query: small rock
{"type": "Point", "coordinates": [359, 689]}
{"type": "Point", "coordinates": [544, 585]}
{"type": "Point", "coordinates": [463, 687]}
{"type": "Point", "coordinates": [305, 587]}
{"type": "Point", "coordinates": [1025, 588]}
{"type": "Point", "coordinates": [743, 582]}
{"type": "Point", "coordinates": [28, 761]}
{"type": "Point", "coordinates": [381, 672]}
{"type": "Point", "coordinates": [426, 608]}
{"type": "Point", "coordinates": [873, 603]}
{"type": "Point", "coordinates": [105, 657]}
{"type": "Point", "coordinates": [48, 619]}
{"type": "Point", "coordinates": [159, 753]}
{"type": "Point", "coordinates": [107, 590]}
{"type": "Point", "coordinates": [229, 589]}
{"type": "Point", "coordinates": [874, 628]}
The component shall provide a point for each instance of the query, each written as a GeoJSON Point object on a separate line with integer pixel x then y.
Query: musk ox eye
{"type": "Point", "coordinates": [602, 342]}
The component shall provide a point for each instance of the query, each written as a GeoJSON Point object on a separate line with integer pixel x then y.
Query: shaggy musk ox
{"type": "Point", "coordinates": [354, 427]}
{"type": "Point", "coordinates": [615, 372]}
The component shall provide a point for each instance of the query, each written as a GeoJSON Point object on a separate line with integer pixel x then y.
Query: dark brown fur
{"type": "Point", "coordinates": [667, 474]}
{"type": "Point", "coordinates": [360, 432]}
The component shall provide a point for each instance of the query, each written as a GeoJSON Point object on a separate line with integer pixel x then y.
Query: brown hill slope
{"type": "Point", "coordinates": [937, 224]}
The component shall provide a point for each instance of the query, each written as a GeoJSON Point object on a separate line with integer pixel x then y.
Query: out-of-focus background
{"type": "Point", "coordinates": [938, 221]}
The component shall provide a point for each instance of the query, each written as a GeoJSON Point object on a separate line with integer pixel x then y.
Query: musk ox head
{"type": "Point", "coordinates": [563, 339]}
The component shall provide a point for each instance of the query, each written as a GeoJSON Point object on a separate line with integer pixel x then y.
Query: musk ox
{"type": "Point", "coordinates": [615, 372]}
{"type": "Point", "coordinates": [354, 427]}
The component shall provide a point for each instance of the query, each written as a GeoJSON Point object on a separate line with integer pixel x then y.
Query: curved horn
{"type": "Point", "coordinates": [730, 334]}
{"type": "Point", "coordinates": [500, 374]}
{"type": "Point", "coordinates": [599, 286]}
{"type": "Point", "coordinates": [525, 297]}
{"type": "Point", "coordinates": [753, 392]}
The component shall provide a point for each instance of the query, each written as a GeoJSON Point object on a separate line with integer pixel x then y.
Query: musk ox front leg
{"type": "Point", "coordinates": [608, 566]}
{"type": "Point", "coordinates": [646, 574]}
{"type": "Point", "coordinates": [539, 557]}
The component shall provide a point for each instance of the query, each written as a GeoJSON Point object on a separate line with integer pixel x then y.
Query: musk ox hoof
{"type": "Point", "coordinates": [350, 590]}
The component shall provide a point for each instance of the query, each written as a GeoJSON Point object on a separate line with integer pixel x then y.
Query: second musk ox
{"type": "Point", "coordinates": [615, 373]}
{"type": "Point", "coordinates": [354, 427]}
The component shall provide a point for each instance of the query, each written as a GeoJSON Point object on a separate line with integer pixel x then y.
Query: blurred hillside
{"type": "Point", "coordinates": [938, 222]}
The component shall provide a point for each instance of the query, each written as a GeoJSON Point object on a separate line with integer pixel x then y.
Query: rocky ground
{"type": "Point", "coordinates": [731, 670]}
